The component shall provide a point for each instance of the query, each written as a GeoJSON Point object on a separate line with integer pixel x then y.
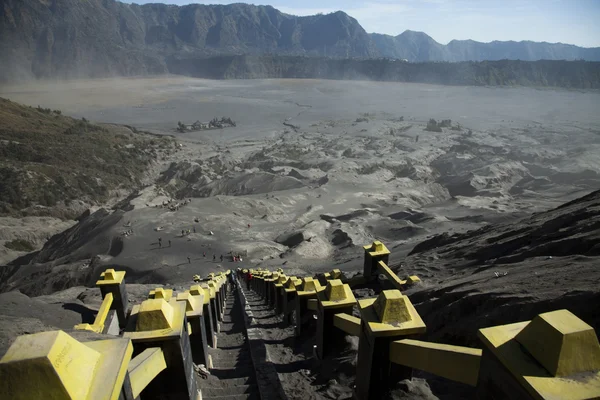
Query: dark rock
{"type": "Point", "coordinates": [292, 239]}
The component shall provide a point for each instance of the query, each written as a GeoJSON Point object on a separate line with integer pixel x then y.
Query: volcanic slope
{"type": "Point", "coordinates": [510, 272]}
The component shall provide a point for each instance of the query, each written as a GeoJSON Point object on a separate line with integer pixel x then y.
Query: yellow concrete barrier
{"type": "Point", "coordinates": [347, 323]}
{"type": "Point", "coordinates": [392, 277]}
{"type": "Point", "coordinates": [196, 325]}
{"type": "Point", "coordinates": [337, 298]}
{"type": "Point", "coordinates": [160, 293]}
{"type": "Point", "coordinates": [112, 281]}
{"type": "Point", "coordinates": [158, 323]}
{"type": "Point", "coordinates": [144, 368]}
{"type": "Point", "coordinates": [374, 253]}
{"type": "Point", "coordinates": [389, 317]}
{"type": "Point", "coordinates": [311, 304]}
{"type": "Point", "coordinates": [54, 365]}
{"type": "Point", "coordinates": [154, 315]}
{"type": "Point", "coordinates": [460, 364]}
{"type": "Point", "coordinates": [207, 313]}
{"type": "Point", "coordinates": [334, 274]}
{"type": "Point", "coordinates": [554, 356]}
{"type": "Point", "coordinates": [98, 325]}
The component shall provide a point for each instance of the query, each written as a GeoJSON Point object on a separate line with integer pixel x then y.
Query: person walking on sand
{"type": "Point", "coordinates": [159, 242]}
{"type": "Point", "coordinates": [189, 260]}
{"type": "Point", "coordinates": [214, 257]}
{"type": "Point", "coordinates": [169, 242]}
{"type": "Point", "coordinates": [194, 229]}
{"type": "Point", "coordinates": [204, 254]}
{"type": "Point", "coordinates": [182, 233]}
{"type": "Point", "coordinates": [221, 257]}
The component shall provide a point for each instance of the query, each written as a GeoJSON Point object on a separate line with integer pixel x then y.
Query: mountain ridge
{"type": "Point", "coordinates": [463, 50]}
{"type": "Point", "coordinates": [98, 38]}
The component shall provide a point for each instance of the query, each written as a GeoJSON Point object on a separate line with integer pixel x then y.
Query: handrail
{"type": "Point", "coordinates": [347, 323]}
{"type": "Point", "coordinates": [103, 311]}
{"type": "Point", "coordinates": [460, 364]}
{"type": "Point", "coordinates": [144, 368]}
{"type": "Point", "coordinates": [98, 325]}
{"type": "Point", "coordinates": [394, 279]}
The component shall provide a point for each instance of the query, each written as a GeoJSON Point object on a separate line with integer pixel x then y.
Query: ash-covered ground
{"type": "Point", "coordinates": [316, 169]}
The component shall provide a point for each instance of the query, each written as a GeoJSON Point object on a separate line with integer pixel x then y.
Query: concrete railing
{"type": "Point", "coordinates": [556, 355]}
{"type": "Point", "coordinates": [163, 339]}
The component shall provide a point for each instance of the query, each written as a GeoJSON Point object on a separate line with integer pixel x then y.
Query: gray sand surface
{"type": "Point", "coordinates": [313, 171]}
{"type": "Point", "coordinates": [529, 150]}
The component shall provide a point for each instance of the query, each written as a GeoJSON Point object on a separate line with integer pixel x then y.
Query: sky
{"type": "Point", "coordinates": [566, 21]}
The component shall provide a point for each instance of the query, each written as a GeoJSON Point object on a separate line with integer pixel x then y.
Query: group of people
{"type": "Point", "coordinates": [160, 242]}
{"type": "Point", "coordinates": [170, 205]}
{"type": "Point", "coordinates": [185, 232]}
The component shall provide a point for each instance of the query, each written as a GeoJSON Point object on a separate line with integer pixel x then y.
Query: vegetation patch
{"type": "Point", "coordinates": [48, 159]}
{"type": "Point", "coordinates": [19, 245]}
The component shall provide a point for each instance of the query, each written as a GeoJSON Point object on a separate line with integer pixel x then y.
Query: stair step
{"type": "Point", "coordinates": [214, 382]}
{"type": "Point", "coordinates": [231, 357]}
{"type": "Point", "coordinates": [252, 396]}
{"type": "Point", "coordinates": [230, 390]}
{"type": "Point", "coordinates": [230, 373]}
{"type": "Point", "coordinates": [234, 364]}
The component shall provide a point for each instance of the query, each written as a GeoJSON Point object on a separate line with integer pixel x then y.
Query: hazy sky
{"type": "Point", "coordinates": [567, 21]}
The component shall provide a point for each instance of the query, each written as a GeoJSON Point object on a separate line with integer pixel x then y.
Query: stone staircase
{"type": "Point", "coordinates": [233, 375]}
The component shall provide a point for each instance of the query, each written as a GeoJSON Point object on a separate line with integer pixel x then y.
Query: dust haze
{"type": "Point", "coordinates": [315, 169]}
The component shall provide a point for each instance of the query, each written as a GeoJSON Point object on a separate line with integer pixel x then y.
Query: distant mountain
{"type": "Point", "coordinates": [95, 38]}
{"type": "Point", "coordinates": [74, 38]}
{"type": "Point", "coordinates": [418, 46]}
{"type": "Point", "coordinates": [411, 46]}
{"type": "Point", "coordinates": [544, 73]}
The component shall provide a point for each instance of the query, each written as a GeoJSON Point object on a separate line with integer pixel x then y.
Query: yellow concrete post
{"type": "Point", "coordinates": [218, 303]}
{"type": "Point", "coordinates": [336, 298]}
{"type": "Point", "coordinates": [265, 282]}
{"type": "Point", "coordinates": [158, 323]}
{"type": "Point", "coordinates": [333, 274]}
{"type": "Point", "coordinates": [54, 365]}
{"type": "Point", "coordinates": [554, 356]}
{"type": "Point", "coordinates": [161, 293]}
{"type": "Point", "coordinates": [271, 288]}
{"type": "Point", "coordinates": [389, 317]}
{"type": "Point", "coordinates": [374, 253]}
{"type": "Point", "coordinates": [194, 312]}
{"type": "Point", "coordinates": [207, 312]}
{"type": "Point", "coordinates": [277, 288]}
{"type": "Point", "coordinates": [112, 281]}
{"type": "Point", "coordinates": [214, 310]}
{"type": "Point", "coordinates": [289, 298]}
